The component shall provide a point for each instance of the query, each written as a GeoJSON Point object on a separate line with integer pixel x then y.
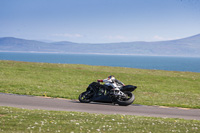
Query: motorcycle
{"type": "Point", "coordinates": [97, 92]}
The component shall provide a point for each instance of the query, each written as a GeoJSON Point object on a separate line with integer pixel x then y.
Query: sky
{"type": "Point", "coordinates": [99, 21]}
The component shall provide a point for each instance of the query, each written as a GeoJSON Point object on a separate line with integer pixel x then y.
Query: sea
{"type": "Point", "coordinates": [169, 63]}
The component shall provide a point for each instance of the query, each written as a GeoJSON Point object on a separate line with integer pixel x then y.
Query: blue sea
{"type": "Point", "coordinates": [191, 64]}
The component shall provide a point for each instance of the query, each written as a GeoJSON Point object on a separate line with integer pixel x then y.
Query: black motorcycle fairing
{"type": "Point", "coordinates": [129, 88]}
{"type": "Point", "coordinates": [94, 86]}
{"type": "Point", "coordinates": [102, 98]}
{"type": "Point", "coordinates": [98, 95]}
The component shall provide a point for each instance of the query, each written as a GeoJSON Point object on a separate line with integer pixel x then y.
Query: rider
{"type": "Point", "coordinates": [111, 81]}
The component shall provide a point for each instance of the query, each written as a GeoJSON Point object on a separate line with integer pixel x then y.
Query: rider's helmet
{"type": "Point", "coordinates": [111, 77]}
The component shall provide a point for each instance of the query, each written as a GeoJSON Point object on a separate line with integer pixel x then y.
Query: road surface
{"type": "Point", "coordinates": [35, 102]}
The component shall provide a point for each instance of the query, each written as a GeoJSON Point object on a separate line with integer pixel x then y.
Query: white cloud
{"type": "Point", "coordinates": [159, 38]}
{"type": "Point", "coordinates": [156, 37]}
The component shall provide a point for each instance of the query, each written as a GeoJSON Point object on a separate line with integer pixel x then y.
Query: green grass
{"type": "Point", "coordinates": [22, 120]}
{"type": "Point", "coordinates": [155, 87]}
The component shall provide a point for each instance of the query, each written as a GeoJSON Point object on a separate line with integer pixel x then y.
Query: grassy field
{"type": "Point", "coordinates": [155, 87]}
{"type": "Point", "coordinates": [22, 120]}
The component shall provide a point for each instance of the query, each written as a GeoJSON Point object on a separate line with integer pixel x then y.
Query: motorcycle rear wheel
{"type": "Point", "coordinates": [126, 101]}
{"type": "Point", "coordinates": [85, 97]}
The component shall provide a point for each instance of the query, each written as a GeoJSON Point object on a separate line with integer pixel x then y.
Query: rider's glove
{"type": "Point", "coordinates": [99, 80]}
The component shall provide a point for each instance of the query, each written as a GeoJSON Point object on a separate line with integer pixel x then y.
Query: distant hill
{"type": "Point", "coordinates": [189, 46]}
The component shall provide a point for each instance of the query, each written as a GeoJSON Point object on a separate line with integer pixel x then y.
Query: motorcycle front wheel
{"type": "Point", "coordinates": [125, 101]}
{"type": "Point", "coordinates": [85, 97]}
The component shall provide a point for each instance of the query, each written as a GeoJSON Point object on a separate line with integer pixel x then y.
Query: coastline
{"type": "Point", "coordinates": [168, 63]}
{"type": "Point", "coordinates": [117, 54]}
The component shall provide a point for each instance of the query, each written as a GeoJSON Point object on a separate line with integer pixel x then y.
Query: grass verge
{"type": "Point", "coordinates": [23, 120]}
{"type": "Point", "coordinates": [155, 87]}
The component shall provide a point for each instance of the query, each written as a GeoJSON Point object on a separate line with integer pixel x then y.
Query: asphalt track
{"type": "Point", "coordinates": [43, 103]}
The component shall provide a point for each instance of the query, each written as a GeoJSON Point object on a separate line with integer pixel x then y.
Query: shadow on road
{"type": "Point", "coordinates": [101, 103]}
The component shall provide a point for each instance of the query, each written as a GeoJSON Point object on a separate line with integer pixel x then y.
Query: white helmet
{"type": "Point", "coordinates": [112, 78]}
